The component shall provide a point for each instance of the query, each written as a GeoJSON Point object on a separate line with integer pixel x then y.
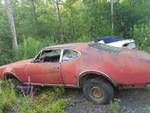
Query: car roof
{"type": "Point", "coordinates": [77, 46]}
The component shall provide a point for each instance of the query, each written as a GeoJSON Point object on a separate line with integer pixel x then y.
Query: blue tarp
{"type": "Point", "coordinates": [109, 39]}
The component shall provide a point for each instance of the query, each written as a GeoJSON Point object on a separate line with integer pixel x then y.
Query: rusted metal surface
{"type": "Point", "coordinates": [122, 67]}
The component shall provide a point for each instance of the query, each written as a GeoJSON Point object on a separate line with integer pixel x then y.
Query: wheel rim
{"type": "Point", "coordinates": [96, 92]}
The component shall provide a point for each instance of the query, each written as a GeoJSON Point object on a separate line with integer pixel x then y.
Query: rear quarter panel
{"type": "Point", "coordinates": [120, 68]}
{"type": "Point", "coordinates": [97, 61]}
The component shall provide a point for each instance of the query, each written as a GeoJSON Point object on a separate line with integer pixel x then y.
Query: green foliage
{"type": "Point", "coordinates": [28, 48]}
{"type": "Point", "coordinates": [40, 19]}
{"type": "Point", "coordinates": [115, 107]}
{"type": "Point", "coordinates": [7, 56]}
{"type": "Point", "coordinates": [147, 88]}
{"type": "Point", "coordinates": [76, 21]}
{"type": "Point", "coordinates": [59, 91]}
{"type": "Point", "coordinates": [25, 105]}
{"type": "Point", "coordinates": [84, 38]}
{"type": "Point", "coordinates": [57, 107]}
{"type": "Point", "coordinates": [49, 100]}
{"type": "Point", "coordinates": [7, 97]}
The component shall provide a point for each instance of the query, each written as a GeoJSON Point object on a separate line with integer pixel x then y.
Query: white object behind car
{"type": "Point", "coordinates": [129, 43]}
{"type": "Point", "coordinates": [117, 42]}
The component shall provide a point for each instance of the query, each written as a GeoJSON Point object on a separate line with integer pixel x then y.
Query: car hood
{"type": "Point", "coordinates": [18, 63]}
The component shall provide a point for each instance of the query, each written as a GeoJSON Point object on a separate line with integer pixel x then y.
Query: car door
{"type": "Point", "coordinates": [70, 66]}
{"type": "Point", "coordinates": [45, 69]}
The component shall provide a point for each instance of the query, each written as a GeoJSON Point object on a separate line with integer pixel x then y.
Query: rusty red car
{"type": "Point", "coordinates": [96, 68]}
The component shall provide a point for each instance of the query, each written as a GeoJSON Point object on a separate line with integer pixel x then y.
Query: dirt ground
{"type": "Point", "coordinates": [129, 101]}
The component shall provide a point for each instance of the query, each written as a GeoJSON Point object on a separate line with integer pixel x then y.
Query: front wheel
{"type": "Point", "coordinates": [99, 91]}
{"type": "Point", "coordinates": [13, 81]}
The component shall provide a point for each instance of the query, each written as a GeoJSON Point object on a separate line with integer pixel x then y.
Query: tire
{"type": "Point", "coordinates": [13, 81]}
{"type": "Point", "coordinates": [99, 91]}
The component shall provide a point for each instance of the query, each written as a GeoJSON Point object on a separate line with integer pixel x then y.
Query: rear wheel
{"type": "Point", "coordinates": [98, 91]}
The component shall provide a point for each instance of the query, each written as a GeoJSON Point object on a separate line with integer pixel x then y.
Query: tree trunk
{"type": "Point", "coordinates": [112, 16]}
{"type": "Point", "coordinates": [35, 21]}
{"type": "Point", "coordinates": [34, 8]}
{"type": "Point", "coordinates": [60, 20]}
{"type": "Point", "coordinates": [11, 23]}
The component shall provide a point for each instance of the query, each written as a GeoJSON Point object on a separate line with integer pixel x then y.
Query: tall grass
{"type": "Point", "coordinates": [48, 101]}
{"type": "Point", "coordinates": [7, 97]}
{"type": "Point", "coordinates": [28, 48]}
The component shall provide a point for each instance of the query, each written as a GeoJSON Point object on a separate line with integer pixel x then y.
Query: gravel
{"type": "Point", "coordinates": [129, 101]}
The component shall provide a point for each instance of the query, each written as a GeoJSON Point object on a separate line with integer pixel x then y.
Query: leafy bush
{"type": "Point", "coordinates": [28, 48]}
{"type": "Point", "coordinates": [7, 96]}
{"type": "Point", "coordinates": [48, 101]}
{"type": "Point", "coordinates": [57, 107]}
{"type": "Point", "coordinates": [83, 38]}
{"type": "Point", "coordinates": [7, 56]}
{"type": "Point", "coordinates": [25, 105]}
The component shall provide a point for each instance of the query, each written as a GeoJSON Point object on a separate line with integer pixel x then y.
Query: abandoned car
{"type": "Point", "coordinates": [96, 68]}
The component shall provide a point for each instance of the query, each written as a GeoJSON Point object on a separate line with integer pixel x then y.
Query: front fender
{"type": "Point", "coordinates": [14, 72]}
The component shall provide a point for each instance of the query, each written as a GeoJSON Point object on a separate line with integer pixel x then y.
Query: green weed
{"type": "Point", "coordinates": [48, 101]}
{"type": "Point", "coordinates": [115, 106]}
